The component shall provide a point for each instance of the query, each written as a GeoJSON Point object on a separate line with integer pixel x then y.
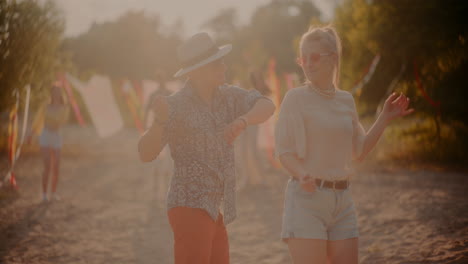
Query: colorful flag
{"type": "Point", "coordinates": [12, 142]}
{"type": "Point", "coordinates": [435, 104]}
{"type": "Point", "coordinates": [274, 82]}
{"type": "Point", "coordinates": [366, 76]}
{"type": "Point", "coordinates": [71, 99]}
{"type": "Point", "coordinates": [149, 87]}
{"type": "Point", "coordinates": [267, 127]}
{"type": "Point", "coordinates": [290, 80]}
{"type": "Point", "coordinates": [128, 94]}
{"type": "Point", "coordinates": [25, 121]}
{"type": "Point", "coordinates": [138, 89]}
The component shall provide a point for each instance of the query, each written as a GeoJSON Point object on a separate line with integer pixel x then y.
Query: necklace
{"type": "Point", "coordinates": [327, 93]}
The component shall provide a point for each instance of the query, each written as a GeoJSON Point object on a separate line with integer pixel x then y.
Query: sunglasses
{"type": "Point", "coordinates": [312, 58]}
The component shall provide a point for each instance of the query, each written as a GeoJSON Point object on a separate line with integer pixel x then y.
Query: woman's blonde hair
{"type": "Point", "coordinates": [327, 36]}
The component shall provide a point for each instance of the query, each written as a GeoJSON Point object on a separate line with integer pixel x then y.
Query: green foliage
{"type": "Point", "coordinates": [430, 33]}
{"type": "Point", "coordinates": [224, 24]}
{"type": "Point", "coordinates": [271, 33]}
{"type": "Point", "coordinates": [416, 140]}
{"type": "Point", "coordinates": [427, 36]}
{"type": "Point", "coordinates": [133, 47]}
{"type": "Point", "coordinates": [30, 35]}
{"type": "Point", "coordinates": [136, 45]}
{"type": "Point", "coordinates": [278, 24]}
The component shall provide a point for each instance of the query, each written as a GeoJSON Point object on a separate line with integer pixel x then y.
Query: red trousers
{"type": "Point", "coordinates": [198, 238]}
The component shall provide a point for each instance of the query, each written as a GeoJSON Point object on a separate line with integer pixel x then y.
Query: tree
{"type": "Point", "coordinates": [30, 36]}
{"type": "Point", "coordinates": [133, 47]}
{"type": "Point", "coordinates": [273, 32]}
{"type": "Point", "coordinates": [424, 36]}
{"type": "Point", "coordinates": [278, 26]}
{"type": "Point", "coordinates": [224, 24]}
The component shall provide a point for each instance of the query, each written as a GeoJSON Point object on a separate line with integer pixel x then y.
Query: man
{"type": "Point", "coordinates": [200, 124]}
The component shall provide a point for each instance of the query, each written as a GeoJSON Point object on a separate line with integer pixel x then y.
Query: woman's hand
{"type": "Point", "coordinates": [396, 106]}
{"type": "Point", "coordinates": [160, 108]}
{"type": "Point", "coordinates": [307, 183]}
{"type": "Point", "coordinates": [234, 129]}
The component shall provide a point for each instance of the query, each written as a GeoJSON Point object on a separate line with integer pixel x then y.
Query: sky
{"type": "Point", "coordinates": [80, 14]}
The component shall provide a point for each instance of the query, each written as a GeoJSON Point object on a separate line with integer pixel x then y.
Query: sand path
{"type": "Point", "coordinates": [110, 213]}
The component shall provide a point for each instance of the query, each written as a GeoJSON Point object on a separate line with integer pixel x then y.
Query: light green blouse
{"type": "Point", "coordinates": [324, 133]}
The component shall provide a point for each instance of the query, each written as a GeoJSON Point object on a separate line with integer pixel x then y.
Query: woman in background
{"type": "Point", "coordinates": [50, 141]}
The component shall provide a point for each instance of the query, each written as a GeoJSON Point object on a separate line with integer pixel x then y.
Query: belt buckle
{"type": "Point", "coordinates": [334, 185]}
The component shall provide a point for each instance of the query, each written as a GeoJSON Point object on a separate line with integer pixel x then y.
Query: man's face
{"type": "Point", "coordinates": [212, 73]}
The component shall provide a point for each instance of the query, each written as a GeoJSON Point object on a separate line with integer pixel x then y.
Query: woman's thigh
{"type": "Point", "coordinates": [307, 251]}
{"type": "Point", "coordinates": [55, 153]}
{"type": "Point", "coordinates": [46, 155]}
{"type": "Point", "coordinates": [343, 251]}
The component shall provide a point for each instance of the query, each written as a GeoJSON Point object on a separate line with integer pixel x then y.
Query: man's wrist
{"type": "Point", "coordinates": [160, 121]}
{"type": "Point", "coordinates": [244, 120]}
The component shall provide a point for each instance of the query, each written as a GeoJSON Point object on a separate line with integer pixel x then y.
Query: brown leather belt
{"type": "Point", "coordinates": [335, 185]}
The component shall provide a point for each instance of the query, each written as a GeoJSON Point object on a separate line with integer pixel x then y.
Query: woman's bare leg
{"type": "Point", "coordinates": [55, 169]}
{"type": "Point", "coordinates": [343, 251]}
{"type": "Point", "coordinates": [308, 251]}
{"type": "Point", "coordinates": [46, 157]}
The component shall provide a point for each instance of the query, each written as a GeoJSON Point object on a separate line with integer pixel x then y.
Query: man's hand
{"type": "Point", "coordinates": [234, 129]}
{"type": "Point", "coordinates": [160, 108]}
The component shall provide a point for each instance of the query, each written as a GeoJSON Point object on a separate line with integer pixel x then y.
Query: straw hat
{"type": "Point", "coordinates": [198, 51]}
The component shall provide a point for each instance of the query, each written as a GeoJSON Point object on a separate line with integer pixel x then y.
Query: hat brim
{"type": "Point", "coordinates": [223, 51]}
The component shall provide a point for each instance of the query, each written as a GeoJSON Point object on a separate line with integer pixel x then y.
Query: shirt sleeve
{"type": "Point", "coordinates": [290, 135]}
{"type": "Point", "coordinates": [244, 99]}
{"type": "Point", "coordinates": [359, 133]}
{"type": "Point", "coordinates": [170, 125]}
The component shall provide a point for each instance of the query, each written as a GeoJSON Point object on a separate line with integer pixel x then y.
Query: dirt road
{"type": "Point", "coordinates": [110, 212]}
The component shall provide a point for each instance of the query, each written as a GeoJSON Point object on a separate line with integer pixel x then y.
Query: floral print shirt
{"type": "Point", "coordinates": [204, 173]}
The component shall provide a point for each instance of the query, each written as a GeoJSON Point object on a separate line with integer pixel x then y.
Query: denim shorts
{"type": "Point", "coordinates": [50, 139]}
{"type": "Point", "coordinates": [323, 214]}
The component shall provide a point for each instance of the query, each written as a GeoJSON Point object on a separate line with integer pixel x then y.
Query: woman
{"type": "Point", "coordinates": [318, 134]}
{"type": "Point", "coordinates": [200, 123]}
{"type": "Point", "coordinates": [50, 141]}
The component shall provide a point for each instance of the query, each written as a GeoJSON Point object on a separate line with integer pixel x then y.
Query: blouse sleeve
{"type": "Point", "coordinates": [290, 136]}
{"type": "Point", "coordinates": [359, 134]}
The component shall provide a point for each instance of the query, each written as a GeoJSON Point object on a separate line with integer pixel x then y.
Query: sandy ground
{"type": "Point", "coordinates": [111, 212]}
